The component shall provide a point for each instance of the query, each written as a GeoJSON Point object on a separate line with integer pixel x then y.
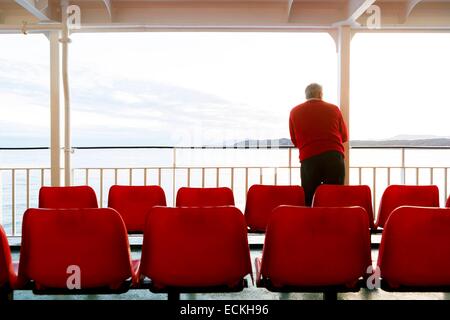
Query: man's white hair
{"type": "Point", "coordinates": [314, 90]}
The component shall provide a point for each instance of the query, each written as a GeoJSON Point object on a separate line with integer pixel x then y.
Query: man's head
{"type": "Point", "coordinates": [313, 91]}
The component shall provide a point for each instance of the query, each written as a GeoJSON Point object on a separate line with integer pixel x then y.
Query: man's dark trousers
{"type": "Point", "coordinates": [325, 168]}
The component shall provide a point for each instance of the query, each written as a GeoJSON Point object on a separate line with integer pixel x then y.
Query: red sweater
{"type": "Point", "coordinates": [316, 127]}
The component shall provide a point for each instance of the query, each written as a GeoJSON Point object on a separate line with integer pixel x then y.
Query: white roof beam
{"type": "Point", "coordinates": [36, 7]}
{"type": "Point", "coordinates": [108, 5]}
{"type": "Point", "coordinates": [356, 9]}
{"type": "Point", "coordinates": [289, 9]}
{"type": "Point", "coordinates": [410, 5]}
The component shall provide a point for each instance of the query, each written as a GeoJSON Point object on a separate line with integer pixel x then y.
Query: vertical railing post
{"type": "Point", "coordinates": [403, 166]}
{"type": "Point", "coordinates": [232, 179]}
{"type": "Point", "coordinates": [217, 178]}
{"type": "Point", "coordinates": [446, 182]}
{"type": "Point", "coordinates": [203, 177]}
{"type": "Point", "coordinates": [101, 188]}
{"type": "Point", "coordinates": [374, 189]}
{"type": "Point", "coordinates": [55, 141]}
{"type": "Point", "coordinates": [290, 166]}
{"type": "Point", "coordinates": [189, 177]}
{"type": "Point", "coordinates": [1, 197]}
{"type": "Point", "coordinates": [13, 201]}
{"type": "Point", "coordinates": [28, 187]}
{"type": "Point", "coordinates": [246, 183]}
{"type": "Point", "coordinates": [174, 166]}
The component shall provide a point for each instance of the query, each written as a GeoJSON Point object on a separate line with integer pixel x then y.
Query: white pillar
{"type": "Point", "coordinates": [343, 46]}
{"type": "Point", "coordinates": [65, 80]}
{"type": "Point", "coordinates": [55, 141]}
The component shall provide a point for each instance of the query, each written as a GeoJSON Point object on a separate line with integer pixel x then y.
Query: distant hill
{"type": "Point", "coordinates": [433, 142]}
{"type": "Point", "coordinates": [405, 141]}
{"type": "Point", "coordinates": [415, 137]}
{"type": "Point", "coordinates": [269, 143]}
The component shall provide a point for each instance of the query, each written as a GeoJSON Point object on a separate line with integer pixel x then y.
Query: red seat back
{"type": "Point", "coordinates": [447, 203]}
{"type": "Point", "coordinates": [95, 240]}
{"type": "Point", "coordinates": [399, 195]}
{"type": "Point", "coordinates": [262, 199]}
{"type": "Point", "coordinates": [204, 197]}
{"type": "Point", "coordinates": [415, 247]}
{"type": "Point", "coordinates": [7, 274]}
{"type": "Point", "coordinates": [67, 197]}
{"type": "Point", "coordinates": [316, 246]}
{"type": "Point", "coordinates": [328, 195]}
{"type": "Point", "coordinates": [134, 202]}
{"type": "Point", "coordinates": [195, 247]}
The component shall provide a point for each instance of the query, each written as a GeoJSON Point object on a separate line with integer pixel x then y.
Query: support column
{"type": "Point", "coordinates": [343, 46]}
{"type": "Point", "coordinates": [55, 120]}
{"type": "Point", "coordinates": [65, 80]}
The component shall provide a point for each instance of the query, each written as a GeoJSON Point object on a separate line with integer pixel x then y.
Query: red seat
{"type": "Point", "coordinates": [95, 240]}
{"type": "Point", "coordinates": [67, 197]}
{"type": "Point", "coordinates": [315, 247]}
{"type": "Point", "coordinates": [447, 203]}
{"type": "Point", "coordinates": [204, 197]}
{"type": "Point", "coordinates": [400, 195]}
{"type": "Point", "coordinates": [328, 195]}
{"type": "Point", "coordinates": [7, 275]}
{"type": "Point", "coordinates": [134, 202]}
{"type": "Point", "coordinates": [262, 199]}
{"type": "Point", "coordinates": [195, 248]}
{"type": "Point", "coordinates": [415, 248]}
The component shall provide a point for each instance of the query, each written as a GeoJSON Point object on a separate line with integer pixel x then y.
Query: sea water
{"type": "Point", "coordinates": [370, 166]}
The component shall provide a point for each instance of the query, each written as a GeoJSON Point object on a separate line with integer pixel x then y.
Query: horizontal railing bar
{"type": "Point", "coordinates": [215, 167]}
{"type": "Point", "coordinates": [24, 148]}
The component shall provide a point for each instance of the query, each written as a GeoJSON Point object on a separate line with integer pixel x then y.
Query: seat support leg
{"type": "Point", "coordinates": [6, 295]}
{"type": "Point", "coordinates": [173, 295]}
{"type": "Point", "coordinates": [330, 296]}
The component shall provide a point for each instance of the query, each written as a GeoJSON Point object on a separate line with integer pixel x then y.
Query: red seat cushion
{"type": "Point", "coordinates": [204, 197]}
{"type": "Point", "coordinates": [7, 274]}
{"type": "Point", "coordinates": [328, 195]}
{"type": "Point", "coordinates": [134, 202]}
{"type": "Point", "coordinates": [415, 247]}
{"type": "Point", "coordinates": [67, 197]}
{"type": "Point", "coordinates": [262, 199]}
{"type": "Point", "coordinates": [195, 247]}
{"type": "Point", "coordinates": [400, 195]}
{"type": "Point", "coordinates": [316, 246]}
{"type": "Point", "coordinates": [95, 240]}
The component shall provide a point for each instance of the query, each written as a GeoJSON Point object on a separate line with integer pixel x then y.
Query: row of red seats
{"type": "Point", "coordinates": [206, 250]}
{"type": "Point", "coordinates": [133, 202]}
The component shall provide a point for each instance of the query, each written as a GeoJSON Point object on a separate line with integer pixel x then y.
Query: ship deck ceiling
{"type": "Point", "coordinates": [426, 14]}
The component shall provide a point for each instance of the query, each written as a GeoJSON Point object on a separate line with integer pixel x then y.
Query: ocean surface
{"type": "Point", "coordinates": [259, 164]}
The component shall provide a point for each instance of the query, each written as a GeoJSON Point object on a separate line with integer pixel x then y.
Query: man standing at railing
{"type": "Point", "coordinates": [318, 130]}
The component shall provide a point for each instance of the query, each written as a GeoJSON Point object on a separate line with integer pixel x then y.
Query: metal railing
{"type": "Point", "coordinates": [19, 186]}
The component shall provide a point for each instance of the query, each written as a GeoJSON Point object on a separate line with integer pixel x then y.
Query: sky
{"type": "Point", "coordinates": [205, 88]}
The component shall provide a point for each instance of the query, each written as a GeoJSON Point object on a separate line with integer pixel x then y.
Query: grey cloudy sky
{"type": "Point", "coordinates": [203, 88]}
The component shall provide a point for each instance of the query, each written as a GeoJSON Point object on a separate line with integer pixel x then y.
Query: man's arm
{"type": "Point", "coordinates": [292, 131]}
{"type": "Point", "coordinates": [343, 129]}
